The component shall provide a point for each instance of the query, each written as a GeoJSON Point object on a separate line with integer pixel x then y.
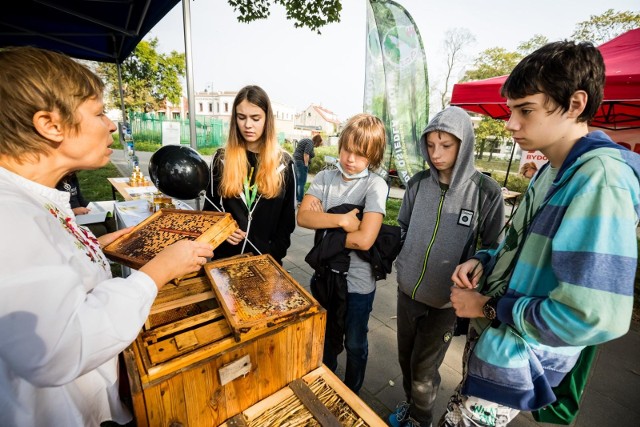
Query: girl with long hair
{"type": "Point", "coordinates": [252, 178]}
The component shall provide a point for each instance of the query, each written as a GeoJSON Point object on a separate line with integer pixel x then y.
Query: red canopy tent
{"type": "Point", "coordinates": [620, 107]}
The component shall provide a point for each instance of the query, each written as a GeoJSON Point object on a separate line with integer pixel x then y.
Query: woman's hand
{"type": "Point", "coordinates": [349, 221]}
{"type": "Point", "coordinates": [467, 302]}
{"type": "Point", "coordinates": [237, 237]}
{"type": "Point", "coordinates": [468, 274]}
{"type": "Point", "coordinates": [107, 239]}
{"type": "Point", "coordinates": [177, 260]}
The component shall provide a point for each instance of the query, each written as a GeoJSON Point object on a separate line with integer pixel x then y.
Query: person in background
{"type": "Point", "coordinates": [77, 201]}
{"type": "Point", "coordinates": [445, 210]}
{"type": "Point", "coordinates": [528, 170]}
{"type": "Point", "coordinates": [302, 156]}
{"type": "Point", "coordinates": [79, 204]}
{"type": "Point", "coordinates": [361, 147]}
{"type": "Point", "coordinates": [252, 178]}
{"type": "Point", "coordinates": [63, 317]}
{"type": "Point", "coordinates": [563, 277]}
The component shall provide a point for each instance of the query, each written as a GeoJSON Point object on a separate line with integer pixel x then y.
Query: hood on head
{"type": "Point", "coordinates": [457, 122]}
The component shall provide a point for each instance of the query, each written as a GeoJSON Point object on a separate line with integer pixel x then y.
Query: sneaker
{"type": "Point", "coordinates": [401, 414]}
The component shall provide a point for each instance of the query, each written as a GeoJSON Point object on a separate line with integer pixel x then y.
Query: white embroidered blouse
{"type": "Point", "coordinates": [63, 318]}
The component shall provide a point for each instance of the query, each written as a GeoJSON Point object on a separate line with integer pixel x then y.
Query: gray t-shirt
{"type": "Point", "coordinates": [370, 192]}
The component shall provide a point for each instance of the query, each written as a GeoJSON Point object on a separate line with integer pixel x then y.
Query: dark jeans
{"type": "Point", "coordinates": [355, 341]}
{"type": "Point", "coordinates": [424, 335]}
{"type": "Point", "coordinates": [301, 179]}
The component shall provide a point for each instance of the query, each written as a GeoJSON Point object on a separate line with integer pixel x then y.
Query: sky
{"type": "Point", "coordinates": [298, 67]}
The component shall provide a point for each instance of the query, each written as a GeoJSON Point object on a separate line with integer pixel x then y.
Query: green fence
{"type": "Point", "coordinates": [210, 132]}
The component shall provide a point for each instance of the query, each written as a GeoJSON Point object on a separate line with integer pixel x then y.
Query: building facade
{"type": "Point", "coordinates": [318, 119]}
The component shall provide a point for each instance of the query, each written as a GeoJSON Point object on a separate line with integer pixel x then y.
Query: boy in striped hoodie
{"type": "Point", "coordinates": [563, 278]}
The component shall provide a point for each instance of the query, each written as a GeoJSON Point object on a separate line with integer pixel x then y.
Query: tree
{"type": "Point", "coordinates": [455, 41]}
{"type": "Point", "coordinates": [492, 62]}
{"type": "Point", "coordinates": [490, 131]}
{"type": "Point", "coordinates": [498, 61]}
{"type": "Point", "coordinates": [149, 78]}
{"type": "Point", "coordinates": [602, 28]}
{"type": "Point", "coordinates": [537, 41]}
{"type": "Point", "coordinates": [305, 13]}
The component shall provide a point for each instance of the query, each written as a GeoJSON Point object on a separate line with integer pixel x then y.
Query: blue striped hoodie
{"type": "Point", "coordinates": [573, 281]}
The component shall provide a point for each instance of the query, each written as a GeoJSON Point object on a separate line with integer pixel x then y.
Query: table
{"type": "Point", "coordinates": [132, 212]}
{"type": "Point", "coordinates": [511, 197]}
{"type": "Point", "coordinates": [121, 184]}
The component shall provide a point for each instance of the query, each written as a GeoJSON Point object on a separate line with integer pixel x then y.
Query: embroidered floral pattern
{"type": "Point", "coordinates": [84, 240]}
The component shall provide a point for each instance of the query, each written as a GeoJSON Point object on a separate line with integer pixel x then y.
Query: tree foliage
{"type": "Point", "coordinates": [490, 133]}
{"type": "Point", "coordinates": [149, 78]}
{"type": "Point", "coordinates": [498, 61]}
{"type": "Point", "coordinates": [492, 62]}
{"type": "Point", "coordinates": [602, 28]}
{"type": "Point", "coordinates": [305, 13]}
{"type": "Point", "coordinates": [537, 41]}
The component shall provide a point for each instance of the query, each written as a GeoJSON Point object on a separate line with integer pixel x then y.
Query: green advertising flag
{"type": "Point", "coordinates": [396, 84]}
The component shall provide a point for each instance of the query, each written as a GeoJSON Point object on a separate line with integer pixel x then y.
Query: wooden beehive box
{"type": "Point", "coordinates": [188, 367]}
{"type": "Point", "coordinates": [256, 292]}
{"type": "Point", "coordinates": [165, 227]}
{"type": "Point", "coordinates": [317, 399]}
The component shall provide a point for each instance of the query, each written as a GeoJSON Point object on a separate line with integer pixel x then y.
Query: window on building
{"type": "Point", "coordinates": [217, 107]}
{"type": "Point", "coordinates": [226, 107]}
{"type": "Point", "coordinates": [210, 107]}
{"type": "Point", "coordinates": [176, 115]}
{"type": "Point", "coordinates": [200, 107]}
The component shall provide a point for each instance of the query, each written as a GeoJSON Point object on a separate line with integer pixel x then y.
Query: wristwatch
{"type": "Point", "coordinates": [490, 311]}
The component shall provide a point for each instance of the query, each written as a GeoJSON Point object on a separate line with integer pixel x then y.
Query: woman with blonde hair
{"type": "Point", "coordinates": [252, 178]}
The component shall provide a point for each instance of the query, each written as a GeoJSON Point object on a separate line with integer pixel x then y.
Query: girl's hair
{"type": "Point", "coordinates": [33, 80]}
{"type": "Point", "coordinates": [365, 136]}
{"type": "Point", "coordinates": [268, 178]}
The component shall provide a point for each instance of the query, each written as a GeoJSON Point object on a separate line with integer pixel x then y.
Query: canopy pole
{"type": "Point", "coordinates": [121, 92]}
{"type": "Point", "coordinates": [506, 177]}
{"type": "Point", "coordinates": [186, 17]}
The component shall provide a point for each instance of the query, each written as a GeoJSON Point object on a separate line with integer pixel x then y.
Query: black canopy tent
{"type": "Point", "coordinates": [95, 30]}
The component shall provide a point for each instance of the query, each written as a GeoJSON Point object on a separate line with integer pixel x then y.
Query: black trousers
{"type": "Point", "coordinates": [424, 334]}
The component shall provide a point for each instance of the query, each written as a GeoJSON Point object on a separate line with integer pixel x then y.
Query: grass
{"type": "Point", "coordinates": [393, 207]}
{"type": "Point", "coordinates": [94, 184]}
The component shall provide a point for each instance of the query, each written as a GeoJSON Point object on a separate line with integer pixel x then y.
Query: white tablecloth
{"type": "Point", "coordinates": [133, 212]}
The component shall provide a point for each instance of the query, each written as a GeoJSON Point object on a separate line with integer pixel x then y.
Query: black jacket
{"type": "Point", "coordinates": [329, 251]}
{"type": "Point", "coordinates": [70, 183]}
{"type": "Point", "coordinates": [272, 222]}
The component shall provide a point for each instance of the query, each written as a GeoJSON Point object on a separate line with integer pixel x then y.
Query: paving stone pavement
{"type": "Point", "coordinates": [612, 397]}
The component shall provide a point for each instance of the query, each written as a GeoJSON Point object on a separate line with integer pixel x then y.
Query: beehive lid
{"type": "Point", "coordinates": [257, 292]}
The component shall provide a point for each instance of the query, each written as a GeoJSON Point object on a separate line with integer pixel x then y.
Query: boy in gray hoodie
{"type": "Point", "coordinates": [444, 211]}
